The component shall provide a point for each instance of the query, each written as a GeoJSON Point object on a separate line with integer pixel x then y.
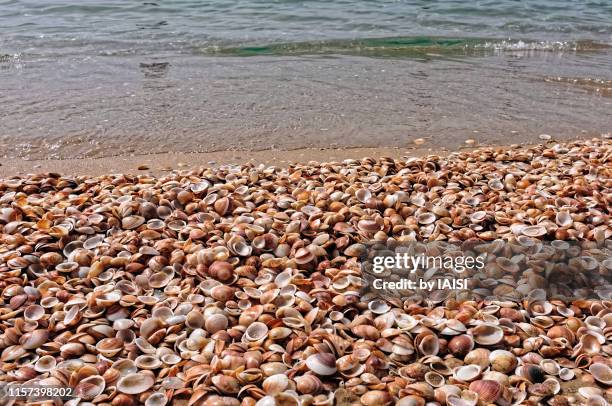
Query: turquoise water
{"type": "Point", "coordinates": [85, 78]}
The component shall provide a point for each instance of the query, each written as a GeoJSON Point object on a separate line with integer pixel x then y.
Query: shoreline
{"type": "Point", "coordinates": [158, 164]}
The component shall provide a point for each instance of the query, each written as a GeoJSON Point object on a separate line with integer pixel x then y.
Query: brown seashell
{"type": "Point", "coordinates": [226, 384]}
{"type": "Point", "coordinates": [376, 398]}
{"type": "Point", "coordinates": [322, 363]}
{"type": "Point", "coordinates": [109, 347]}
{"type": "Point", "coordinates": [308, 384]}
{"type": "Point", "coordinates": [412, 400]}
{"type": "Point", "coordinates": [256, 331]}
{"type": "Point", "coordinates": [367, 332]}
{"type": "Point", "coordinates": [35, 339]}
{"type": "Point", "coordinates": [503, 361]}
{"type": "Point", "coordinates": [601, 372]}
{"type": "Point", "coordinates": [221, 270]}
{"type": "Point", "coordinates": [488, 391]}
{"type": "Point", "coordinates": [275, 384]}
{"type": "Point", "coordinates": [216, 322]}
{"type": "Point", "coordinates": [479, 356]}
{"type": "Point", "coordinates": [90, 387]}
{"type": "Point", "coordinates": [461, 345]}
{"type": "Point", "coordinates": [488, 334]}
{"type": "Point", "coordinates": [135, 383]}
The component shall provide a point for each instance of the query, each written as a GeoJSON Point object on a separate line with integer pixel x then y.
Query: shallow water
{"type": "Point", "coordinates": [80, 79]}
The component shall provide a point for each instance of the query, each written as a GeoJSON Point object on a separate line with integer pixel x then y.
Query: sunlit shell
{"type": "Point", "coordinates": [322, 364]}
{"type": "Point", "coordinates": [534, 231]}
{"type": "Point", "coordinates": [256, 331]}
{"type": "Point", "coordinates": [487, 334]}
{"type": "Point", "coordinates": [602, 373]}
{"type": "Point", "coordinates": [467, 373]}
{"type": "Point", "coordinates": [45, 363]}
{"type": "Point", "coordinates": [90, 387]}
{"type": "Point", "coordinates": [156, 399]}
{"type": "Point", "coordinates": [135, 383]}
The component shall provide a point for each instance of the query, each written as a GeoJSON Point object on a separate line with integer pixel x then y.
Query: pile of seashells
{"type": "Point", "coordinates": [237, 285]}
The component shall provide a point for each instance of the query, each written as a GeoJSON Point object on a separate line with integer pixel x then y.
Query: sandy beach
{"type": "Point", "coordinates": [159, 164]}
{"type": "Point", "coordinates": [305, 203]}
{"type": "Point", "coordinates": [248, 285]}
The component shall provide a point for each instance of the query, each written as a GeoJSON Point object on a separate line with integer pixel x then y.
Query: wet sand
{"type": "Point", "coordinates": [158, 164]}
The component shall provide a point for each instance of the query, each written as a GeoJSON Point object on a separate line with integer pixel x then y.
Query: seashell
{"type": "Point", "coordinates": [487, 334]}
{"type": "Point", "coordinates": [322, 363]}
{"type": "Point", "coordinates": [502, 378]}
{"type": "Point", "coordinates": [109, 347]}
{"type": "Point", "coordinates": [275, 384]}
{"type": "Point", "coordinates": [601, 372]}
{"type": "Point", "coordinates": [564, 219]}
{"type": "Point", "coordinates": [45, 363]}
{"type": "Point", "coordinates": [434, 379]}
{"type": "Point", "coordinates": [157, 399]}
{"type": "Point", "coordinates": [411, 400]}
{"type": "Point", "coordinates": [428, 344]}
{"type": "Point", "coordinates": [461, 345]}
{"type": "Point", "coordinates": [279, 333]}
{"type": "Point", "coordinates": [239, 246]}
{"type": "Point", "coordinates": [147, 362]}
{"type": "Point", "coordinates": [273, 368]}
{"type": "Point", "coordinates": [532, 373]}
{"type": "Point", "coordinates": [226, 384]}
{"type": "Point", "coordinates": [366, 331]}
{"type": "Point", "coordinates": [488, 391]}
{"type": "Point", "coordinates": [466, 373]}
{"type": "Point", "coordinates": [597, 401]}
{"type": "Point", "coordinates": [35, 339]}
{"type": "Point", "coordinates": [135, 383]}
{"type": "Point", "coordinates": [222, 205]}
{"type": "Point", "coordinates": [376, 398]}
{"type": "Point", "coordinates": [363, 195]}
{"type": "Point", "coordinates": [308, 384]}
{"type": "Point", "coordinates": [378, 306]}
{"type": "Point", "coordinates": [256, 331]}
{"type": "Point", "coordinates": [90, 387]}
{"type": "Point", "coordinates": [34, 312]}
{"type": "Point", "coordinates": [170, 359]}
{"type": "Point", "coordinates": [566, 374]}
{"type": "Point", "coordinates": [550, 366]}
{"type": "Point", "coordinates": [132, 222]}
{"type": "Point", "coordinates": [355, 250]}
{"type": "Point", "coordinates": [479, 356]}
{"type": "Point", "coordinates": [589, 392]}
{"type": "Point", "coordinates": [503, 361]}
{"type": "Point", "coordinates": [218, 322]}
{"type": "Point", "coordinates": [534, 231]}
{"type": "Point", "coordinates": [221, 270]}
{"type": "Point", "coordinates": [426, 218]}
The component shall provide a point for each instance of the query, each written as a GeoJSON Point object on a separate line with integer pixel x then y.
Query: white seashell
{"type": "Point", "coordinates": [322, 363]}
{"type": "Point", "coordinates": [135, 383]}
{"type": "Point", "coordinates": [466, 373]}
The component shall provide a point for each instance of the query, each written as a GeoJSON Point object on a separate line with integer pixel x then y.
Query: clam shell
{"type": "Point", "coordinates": [601, 372]}
{"type": "Point", "coordinates": [466, 373]}
{"type": "Point", "coordinates": [487, 334]}
{"type": "Point", "coordinates": [256, 331]}
{"type": "Point", "coordinates": [90, 387]}
{"type": "Point", "coordinates": [135, 383]}
{"type": "Point", "coordinates": [322, 363]}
